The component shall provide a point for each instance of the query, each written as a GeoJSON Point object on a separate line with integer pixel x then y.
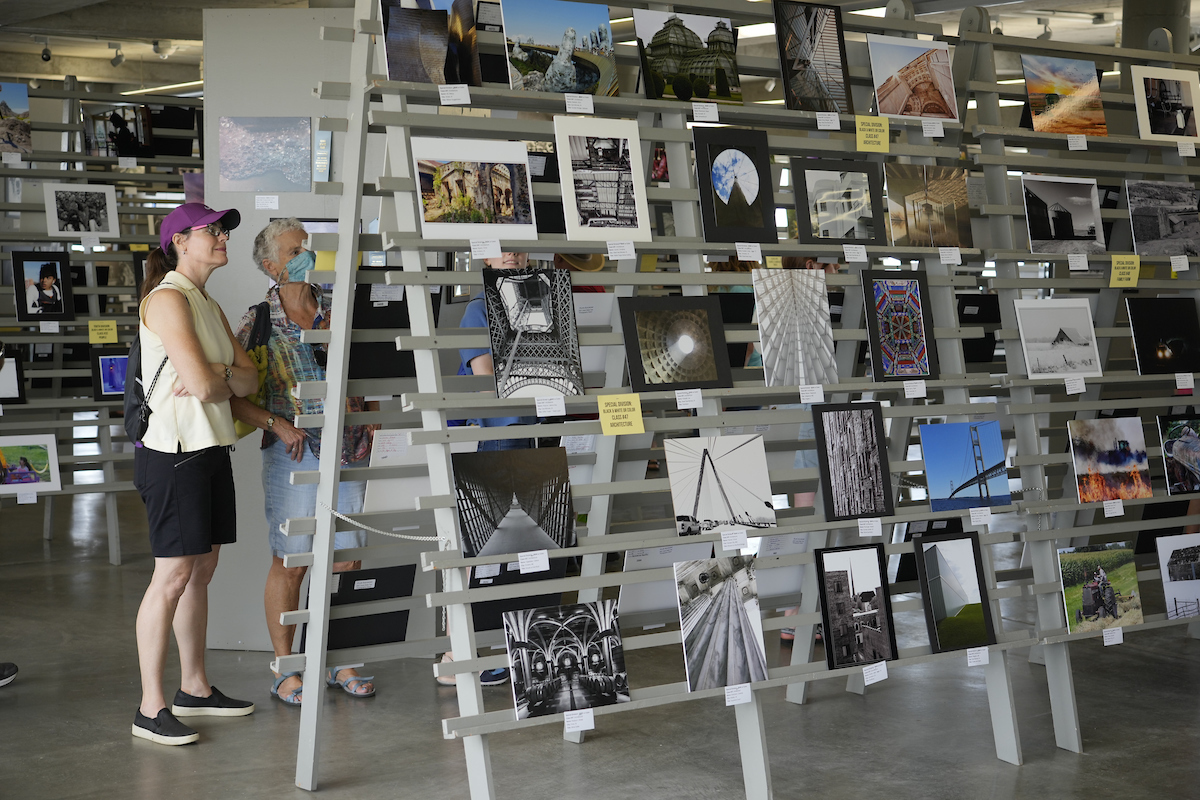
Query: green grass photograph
{"type": "Point", "coordinates": [1078, 567]}
{"type": "Point", "coordinates": [965, 629]}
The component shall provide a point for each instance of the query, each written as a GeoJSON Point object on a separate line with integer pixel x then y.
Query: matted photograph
{"type": "Point", "coordinates": [1180, 434]}
{"type": "Point", "coordinates": [15, 130]}
{"type": "Point", "coordinates": [927, 206]}
{"type": "Point", "coordinates": [513, 501]}
{"type": "Point", "coordinates": [566, 658]}
{"type": "Point", "coordinates": [688, 57]}
{"type": "Point", "coordinates": [604, 187]}
{"type": "Point", "coordinates": [434, 43]}
{"type": "Point", "coordinates": [954, 591]}
{"type": "Point", "coordinates": [842, 201]}
{"type": "Point", "coordinates": [559, 46]}
{"type": "Point", "coordinates": [1063, 215]}
{"type": "Point", "coordinates": [812, 52]}
{"type": "Point", "coordinates": [109, 366]}
{"type": "Point", "coordinates": [1064, 95]}
{"type": "Point", "coordinates": [73, 209]}
{"type": "Point", "coordinates": [1179, 562]}
{"type": "Point", "coordinates": [637, 598]}
{"type": "Point", "coordinates": [737, 195]}
{"type": "Point", "coordinates": [29, 464]}
{"type": "Point", "coordinates": [1100, 586]}
{"type": "Point", "coordinates": [852, 457]}
{"type": "Point", "coordinates": [1110, 458]}
{"type": "Point", "coordinates": [912, 77]}
{"type": "Point", "coordinates": [264, 154]}
{"type": "Point", "coordinates": [965, 465]}
{"type": "Point", "coordinates": [12, 378]}
{"type": "Point", "coordinates": [42, 286]}
{"type": "Point", "coordinates": [1166, 334]}
{"type": "Point", "coordinates": [856, 607]}
{"type": "Point", "coordinates": [720, 621]}
{"type": "Point", "coordinates": [675, 343]}
{"type": "Point", "coordinates": [1165, 218]}
{"type": "Point", "coordinates": [899, 325]}
{"type": "Point", "coordinates": [719, 483]}
{"type": "Point", "coordinates": [1058, 338]}
{"type": "Point", "coordinates": [531, 323]}
{"type": "Point", "coordinates": [1165, 100]}
{"type": "Point", "coordinates": [794, 329]}
{"type": "Point", "coordinates": [474, 189]}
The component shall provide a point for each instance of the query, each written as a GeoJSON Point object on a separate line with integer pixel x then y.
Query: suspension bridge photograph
{"type": "Point", "coordinates": [965, 465]}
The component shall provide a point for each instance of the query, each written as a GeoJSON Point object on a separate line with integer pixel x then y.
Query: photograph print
{"type": "Point", "coordinates": [434, 43]}
{"type": "Point", "coordinates": [912, 77]}
{"type": "Point", "coordinates": [1180, 436]}
{"type": "Point", "coordinates": [842, 201]}
{"type": "Point", "coordinates": [720, 621]}
{"type": "Point", "coordinates": [1100, 587]}
{"type": "Point", "coordinates": [1165, 217]}
{"type": "Point", "coordinates": [1165, 100]}
{"type": "Point", "coordinates": [899, 325]}
{"type": "Point", "coordinates": [474, 189]}
{"type": "Point", "coordinates": [15, 129]}
{"type": "Point", "coordinates": [954, 590]}
{"type": "Point", "coordinates": [1111, 462]}
{"type": "Point", "coordinates": [737, 195]}
{"type": "Point", "coordinates": [1166, 334]}
{"type": "Point", "coordinates": [264, 154]}
{"type": "Point", "coordinates": [12, 378]}
{"type": "Point", "coordinates": [73, 209]}
{"type": "Point", "coordinates": [928, 206]}
{"type": "Point", "coordinates": [638, 598]}
{"type": "Point", "coordinates": [794, 330]}
{"type": "Point", "coordinates": [566, 658]}
{"type": "Point", "coordinates": [852, 456]}
{"type": "Point", "coordinates": [513, 501]}
{"type": "Point", "coordinates": [531, 323]}
{"type": "Point", "coordinates": [1179, 562]}
{"type": "Point", "coordinates": [812, 52]}
{"type": "Point", "coordinates": [1058, 338]}
{"type": "Point", "coordinates": [109, 365]}
{"type": "Point", "coordinates": [856, 608]}
{"type": "Point", "coordinates": [965, 465]}
{"type": "Point", "coordinates": [719, 483]}
{"type": "Point", "coordinates": [604, 188]}
{"type": "Point", "coordinates": [675, 343]}
{"type": "Point", "coordinates": [1064, 95]}
{"type": "Point", "coordinates": [559, 46]}
{"type": "Point", "coordinates": [29, 464]}
{"type": "Point", "coordinates": [687, 57]}
{"type": "Point", "coordinates": [42, 286]}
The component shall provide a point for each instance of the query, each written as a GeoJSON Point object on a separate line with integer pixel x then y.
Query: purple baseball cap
{"type": "Point", "coordinates": [194, 215]}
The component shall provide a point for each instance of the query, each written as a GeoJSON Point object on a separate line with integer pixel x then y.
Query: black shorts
{"type": "Point", "coordinates": [189, 499]}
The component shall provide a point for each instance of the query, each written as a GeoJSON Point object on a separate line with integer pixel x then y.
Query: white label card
{"type": "Point", "coordinates": [1187, 149]}
{"type": "Point", "coordinates": [1076, 141]}
{"type": "Point", "coordinates": [582, 720]}
{"type": "Point", "coordinates": [90, 240]}
{"type": "Point", "coordinates": [870, 526]}
{"type": "Point", "coordinates": [48, 326]}
{"type": "Point", "coordinates": [579, 443]}
{"type": "Point", "coordinates": [25, 498]}
{"type": "Point", "coordinates": [534, 561]}
{"type": "Point", "coordinates": [550, 406]}
{"type": "Point", "coordinates": [1185, 381]}
{"type": "Point", "coordinates": [855, 252]}
{"type": "Point", "coordinates": [933, 128]}
{"type": "Point", "coordinates": [950, 255]}
{"type": "Point", "coordinates": [1114, 636]}
{"type": "Point", "coordinates": [761, 428]}
{"type": "Point", "coordinates": [733, 541]}
{"type": "Point", "coordinates": [1180, 264]}
{"type": "Point", "coordinates": [1077, 261]}
{"type": "Point", "coordinates": [978, 656]}
{"type": "Point", "coordinates": [127, 162]}
{"type": "Point", "coordinates": [981, 516]}
{"type": "Point", "coordinates": [369, 583]}
{"type": "Point", "coordinates": [618, 251]}
{"type": "Point", "coordinates": [580, 104]}
{"type": "Point", "coordinates": [487, 571]}
{"type": "Point", "coordinates": [485, 248]}
{"type": "Point", "coordinates": [11, 158]}
{"type": "Point", "coordinates": [736, 695]}
{"type": "Point", "coordinates": [828, 121]}
{"type": "Point", "coordinates": [915, 389]}
{"type": "Point", "coordinates": [874, 673]}
{"type": "Point", "coordinates": [688, 398]}
{"type": "Point", "coordinates": [733, 430]}
{"type": "Point", "coordinates": [388, 447]}
{"type": "Point", "coordinates": [266, 202]}
{"type": "Point", "coordinates": [454, 94]}
{"type": "Point", "coordinates": [537, 165]}
{"type": "Point", "coordinates": [705, 112]}
{"type": "Point", "coordinates": [813, 393]}
{"type": "Point", "coordinates": [383, 293]}
{"type": "Point", "coordinates": [1075, 385]}
{"type": "Point", "coordinates": [749, 251]}
{"type": "Point", "coordinates": [1114, 508]}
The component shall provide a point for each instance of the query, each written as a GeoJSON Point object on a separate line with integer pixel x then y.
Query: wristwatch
{"type": "Point", "coordinates": [228, 373]}
{"type": "Point", "coordinates": [271, 422]}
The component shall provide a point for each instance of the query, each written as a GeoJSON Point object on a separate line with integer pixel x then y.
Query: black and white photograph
{"type": "Point", "coordinates": [1165, 101]}
{"type": "Point", "coordinates": [651, 596]}
{"type": "Point", "coordinates": [720, 622]}
{"type": "Point", "coordinates": [1166, 334]}
{"type": "Point", "coordinates": [1179, 562]}
{"type": "Point", "coordinates": [812, 52]}
{"type": "Point", "coordinates": [794, 328]}
{"type": "Point", "coordinates": [264, 154]}
{"type": "Point", "coordinates": [719, 483]}
{"type": "Point", "coordinates": [566, 658]}
{"type": "Point", "coordinates": [12, 378]}
{"type": "Point", "coordinates": [1058, 338]}
{"type": "Point", "coordinates": [856, 608]}
{"type": "Point", "coordinates": [1063, 215]}
{"type": "Point", "coordinates": [737, 198]}
{"type": "Point", "coordinates": [603, 179]}
{"type": "Point", "coordinates": [912, 77]}
{"type": "Point", "coordinates": [1180, 436]}
{"type": "Point", "coordinates": [433, 43]}
{"type": "Point", "coordinates": [513, 501]}
{"type": "Point", "coordinates": [842, 201]}
{"type": "Point", "coordinates": [75, 209]}
{"type": "Point", "coordinates": [109, 366]}
{"type": "Point", "coordinates": [675, 343]}
{"type": "Point", "coordinates": [899, 325]}
{"type": "Point", "coordinates": [928, 206]}
{"type": "Point", "coordinates": [1165, 217]}
{"type": "Point", "coordinates": [531, 323]}
{"type": "Point", "coordinates": [954, 590]}
{"type": "Point", "coordinates": [852, 457]}
{"type": "Point", "coordinates": [42, 286]}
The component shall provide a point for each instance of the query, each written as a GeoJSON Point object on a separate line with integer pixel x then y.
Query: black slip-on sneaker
{"type": "Point", "coordinates": [163, 729]}
{"type": "Point", "coordinates": [215, 705]}
{"type": "Point", "coordinates": [8, 672]}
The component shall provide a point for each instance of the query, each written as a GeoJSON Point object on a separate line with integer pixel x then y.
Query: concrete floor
{"type": "Point", "coordinates": [66, 617]}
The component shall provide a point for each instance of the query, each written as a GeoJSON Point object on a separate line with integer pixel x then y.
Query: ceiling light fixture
{"type": "Point", "coordinates": [165, 88]}
{"type": "Point", "coordinates": [119, 58]}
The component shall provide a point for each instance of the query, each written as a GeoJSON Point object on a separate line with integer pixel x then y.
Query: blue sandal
{"type": "Point", "coordinates": [291, 698]}
{"type": "Point", "coordinates": [350, 684]}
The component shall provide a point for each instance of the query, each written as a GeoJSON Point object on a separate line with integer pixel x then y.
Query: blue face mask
{"type": "Point", "coordinates": [298, 266]}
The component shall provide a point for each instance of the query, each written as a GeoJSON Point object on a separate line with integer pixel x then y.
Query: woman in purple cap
{"type": "Point", "coordinates": [181, 467]}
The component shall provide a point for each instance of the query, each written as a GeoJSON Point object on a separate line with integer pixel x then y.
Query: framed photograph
{"type": "Point", "coordinates": [1100, 586]}
{"type": "Point", "coordinates": [432, 44]}
{"type": "Point", "coordinates": [794, 327]}
{"type": "Point", "coordinates": [638, 598]}
{"type": "Point", "coordinates": [927, 206]}
{"type": "Point", "coordinates": [954, 589]}
{"type": "Point", "coordinates": [73, 209]}
{"type": "Point", "coordinates": [264, 154]}
{"type": "Point", "coordinates": [812, 52]}
{"type": "Point", "coordinates": [719, 483]}
{"type": "Point", "coordinates": [1179, 562]}
{"type": "Point", "coordinates": [842, 201]}
{"type": "Point", "coordinates": [29, 464]}
{"type": "Point", "coordinates": [1164, 217]}
{"type": "Point", "coordinates": [139, 270]}
{"type": "Point", "coordinates": [1058, 338]}
{"type": "Point", "coordinates": [688, 57]}
{"type": "Point", "coordinates": [1181, 452]}
{"type": "Point", "coordinates": [42, 286]}
{"type": "Point", "coordinates": [12, 378]}
{"type": "Point", "coordinates": [1166, 334]}
{"type": "Point", "coordinates": [720, 593]}
{"type": "Point", "coordinates": [604, 187]}
{"type": "Point", "coordinates": [737, 196]}
{"type": "Point", "coordinates": [675, 343]}
{"type": "Point", "coordinates": [531, 323]}
{"type": "Point", "coordinates": [1165, 100]}
{"type": "Point", "coordinates": [474, 189]}
{"type": "Point", "coordinates": [899, 325]}
{"type": "Point", "coordinates": [852, 456]}
{"type": "Point", "coordinates": [559, 46]}
{"type": "Point", "coordinates": [1111, 462]}
{"type": "Point", "coordinates": [1064, 95]}
{"type": "Point", "coordinates": [912, 77]}
{"type": "Point", "coordinates": [15, 129]}
{"type": "Point", "coordinates": [855, 605]}
{"type": "Point", "coordinates": [109, 365]}
{"type": "Point", "coordinates": [965, 465]}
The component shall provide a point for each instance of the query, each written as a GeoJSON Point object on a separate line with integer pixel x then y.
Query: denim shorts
{"type": "Point", "coordinates": [285, 501]}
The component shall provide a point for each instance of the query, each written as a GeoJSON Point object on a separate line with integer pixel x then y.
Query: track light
{"type": "Point", "coordinates": [46, 55]}
{"type": "Point", "coordinates": [119, 58]}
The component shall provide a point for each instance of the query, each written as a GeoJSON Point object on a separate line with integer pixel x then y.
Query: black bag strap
{"type": "Point", "coordinates": [260, 332]}
{"type": "Point", "coordinates": [158, 372]}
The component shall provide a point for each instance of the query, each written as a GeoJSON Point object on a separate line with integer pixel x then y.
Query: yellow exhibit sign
{"type": "Point", "coordinates": [774, 262]}
{"type": "Point", "coordinates": [871, 134]}
{"type": "Point", "coordinates": [1125, 271]}
{"type": "Point", "coordinates": [102, 331]}
{"type": "Point", "coordinates": [620, 413]}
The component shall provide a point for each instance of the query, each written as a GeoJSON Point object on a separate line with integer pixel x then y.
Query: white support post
{"type": "Point", "coordinates": [752, 739]}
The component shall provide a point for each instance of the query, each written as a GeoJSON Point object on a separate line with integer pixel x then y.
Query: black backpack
{"type": "Point", "coordinates": [137, 410]}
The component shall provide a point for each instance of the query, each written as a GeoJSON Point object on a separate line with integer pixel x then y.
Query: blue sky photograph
{"type": "Point", "coordinates": [545, 20]}
{"type": "Point", "coordinates": [950, 462]}
{"type": "Point", "coordinates": [733, 165]}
